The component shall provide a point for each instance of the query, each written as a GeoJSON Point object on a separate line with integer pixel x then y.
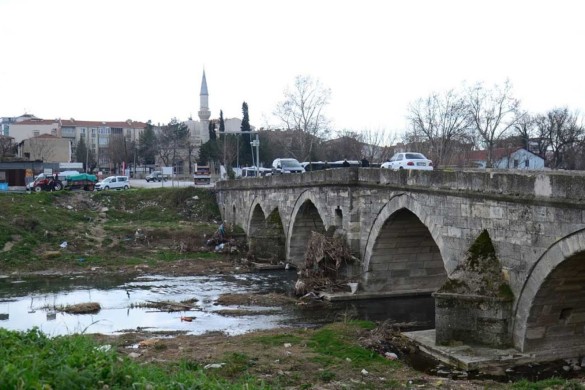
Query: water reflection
{"type": "Point", "coordinates": [28, 302]}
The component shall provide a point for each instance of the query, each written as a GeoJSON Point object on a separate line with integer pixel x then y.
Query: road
{"type": "Point", "coordinates": [141, 183]}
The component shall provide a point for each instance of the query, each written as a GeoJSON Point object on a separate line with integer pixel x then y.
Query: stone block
{"type": "Point", "coordinates": [472, 320]}
{"type": "Point", "coordinates": [536, 332]}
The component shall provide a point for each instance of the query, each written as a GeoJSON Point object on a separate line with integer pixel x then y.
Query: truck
{"type": "Point", "coordinates": [47, 182]}
{"type": "Point", "coordinates": [156, 176]}
{"type": "Point", "coordinates": [83, 181]}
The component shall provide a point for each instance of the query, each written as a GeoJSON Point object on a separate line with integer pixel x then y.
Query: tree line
{"type": "Point", "coordinates": [444, 126]}
{"type": "Point", "coordinates": [446, 123]}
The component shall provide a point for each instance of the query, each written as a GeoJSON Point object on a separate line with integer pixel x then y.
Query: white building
{"type": "Point", "coordinates": [503, 158]}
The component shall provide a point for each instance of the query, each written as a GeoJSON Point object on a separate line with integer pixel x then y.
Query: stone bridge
{"type": "Point", "coordinates": [413, 231]}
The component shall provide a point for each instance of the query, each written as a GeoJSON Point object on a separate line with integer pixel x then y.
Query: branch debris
{"type": "Point", "coordinates": [324, 258]}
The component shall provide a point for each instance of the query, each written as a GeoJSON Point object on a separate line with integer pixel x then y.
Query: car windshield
{"type": "Point", "coordinates": [290, 164]}
{"type": "Point", "coordinates": [415, 156]}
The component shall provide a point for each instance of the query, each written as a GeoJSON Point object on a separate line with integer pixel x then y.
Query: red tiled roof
{"type": "Point", "coordinates": [124, 124]}
{"type": "Point", "coordinates": [36, 122]}
{"type": "Point", "coordinates": [76, 123]}
{"type": "Point", "coordinates": [45, 135]}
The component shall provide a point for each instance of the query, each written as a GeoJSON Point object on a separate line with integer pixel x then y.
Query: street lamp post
{"type": "Point", "coordinates": [256, 143]}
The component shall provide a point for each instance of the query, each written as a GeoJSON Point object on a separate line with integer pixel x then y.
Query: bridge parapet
{"type": "Point", "coordinates": [550, 185]}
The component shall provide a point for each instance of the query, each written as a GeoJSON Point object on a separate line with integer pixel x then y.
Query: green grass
{"type": "Point", "coordinates": [32, 221]}
{"type": "Point", "coordinates": [31, 360]}
{"type": "Point", "coordinates": [278, 340]}
{"type": "Point", "coordinates": [161, 204]}
{"type": "Point", "coordinates": [552, 383]}
{"type": "Point", "coordinates": [32, 226]}
{"type": "Point", "coordinates": [334, 346]}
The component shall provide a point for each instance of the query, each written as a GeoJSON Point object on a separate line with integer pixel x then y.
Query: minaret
{"type": "Point", "coordinates": [204, 112]}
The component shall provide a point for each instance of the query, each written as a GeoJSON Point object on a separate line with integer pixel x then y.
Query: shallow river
{"type": "Point", "coordinates": [30, 301]}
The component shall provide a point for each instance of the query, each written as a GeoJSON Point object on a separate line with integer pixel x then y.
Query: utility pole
{"type": "Point", "coordinates": [224, 152]}
{"type": "Point", "coordinates": [87, 145]}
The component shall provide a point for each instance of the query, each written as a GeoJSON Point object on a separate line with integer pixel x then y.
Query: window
{"type": "Point", "coordinates": [516, 163]}
{"type": "Point", "coordinates": [527, 163]}
{"type": "Point", "coordinates": [36, 133]}
{"type": "Point", "coordinates": [68, 132]}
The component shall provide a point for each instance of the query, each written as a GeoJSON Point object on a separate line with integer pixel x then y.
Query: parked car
{"type": "Point", "coordinates": [251, 171]}
{"type": "Point", "coordinates": [286, 165]}
{"type": "Point", "coordinates": [156, 176]}
{"type": "Point", "coordinates": [409, 160]}
{"type": "Point", "coordinates": [113, 183]}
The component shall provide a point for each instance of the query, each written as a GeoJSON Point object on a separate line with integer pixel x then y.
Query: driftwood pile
{"type": "Point", "coordinates": [324, 258]}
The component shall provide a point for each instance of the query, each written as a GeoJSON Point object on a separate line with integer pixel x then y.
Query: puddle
{"type": "Point", "coordinates": [28, 302]}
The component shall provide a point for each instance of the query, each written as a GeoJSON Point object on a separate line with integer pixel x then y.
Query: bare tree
{"type": "Point", "coordinates": [172, 142]}
{"type": "Point", "coordinates": [302, 111]}
{"type": "Point", "coordinates": [347, 145]}
{"type": "Point", "coordinates": [493, 112]}
{"type": "Point", "coordinates": [41, 148]}
{"type": "Point", "coordinates": [524, 129]}
{"type": "Point", "coordinates": [117, 151]}
{"type": "Point", "coordinates": [563, 132]}
{"type": "Point", "coordinates": [439, 120]}
{"type": "Point", "coordinates": [376, 145]}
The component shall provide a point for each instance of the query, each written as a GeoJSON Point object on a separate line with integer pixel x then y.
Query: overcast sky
{"type": "Point", "coordinates": [125, 59]}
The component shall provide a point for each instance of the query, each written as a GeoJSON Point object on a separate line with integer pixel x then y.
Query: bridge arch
{"type": "Point", "coordinates": [266, 239]}
{"type": "Point", "coordinates": [307, 215]}
{"type": "Point", "coordinates": [402, 254]}
{"type": "Point", "coordinates": [550, 310]}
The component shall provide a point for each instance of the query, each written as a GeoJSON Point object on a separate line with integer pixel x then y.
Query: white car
{"type": "Point", "coordinates": [113, 183]}
{"type": "Point", "coordinates": [409, 160]}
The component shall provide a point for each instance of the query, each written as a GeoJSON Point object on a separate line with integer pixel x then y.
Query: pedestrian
{"type": "Point", "coordinates": [221, 231]}
{"type": "Point", "coordinates": [365, 163]}
{"type": "Point", "coordinates": [345, 164]}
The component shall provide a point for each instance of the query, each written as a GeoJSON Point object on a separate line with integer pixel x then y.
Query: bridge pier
{"type": "Point", "coordinates": [474, 306]}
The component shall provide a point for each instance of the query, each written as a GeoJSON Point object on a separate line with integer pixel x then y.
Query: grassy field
{"type": "Point", "coordinates": [59, 229]}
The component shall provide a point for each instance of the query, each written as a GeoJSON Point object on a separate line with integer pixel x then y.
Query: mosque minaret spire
{"type": "Point", "coordinates": [204, 113]}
